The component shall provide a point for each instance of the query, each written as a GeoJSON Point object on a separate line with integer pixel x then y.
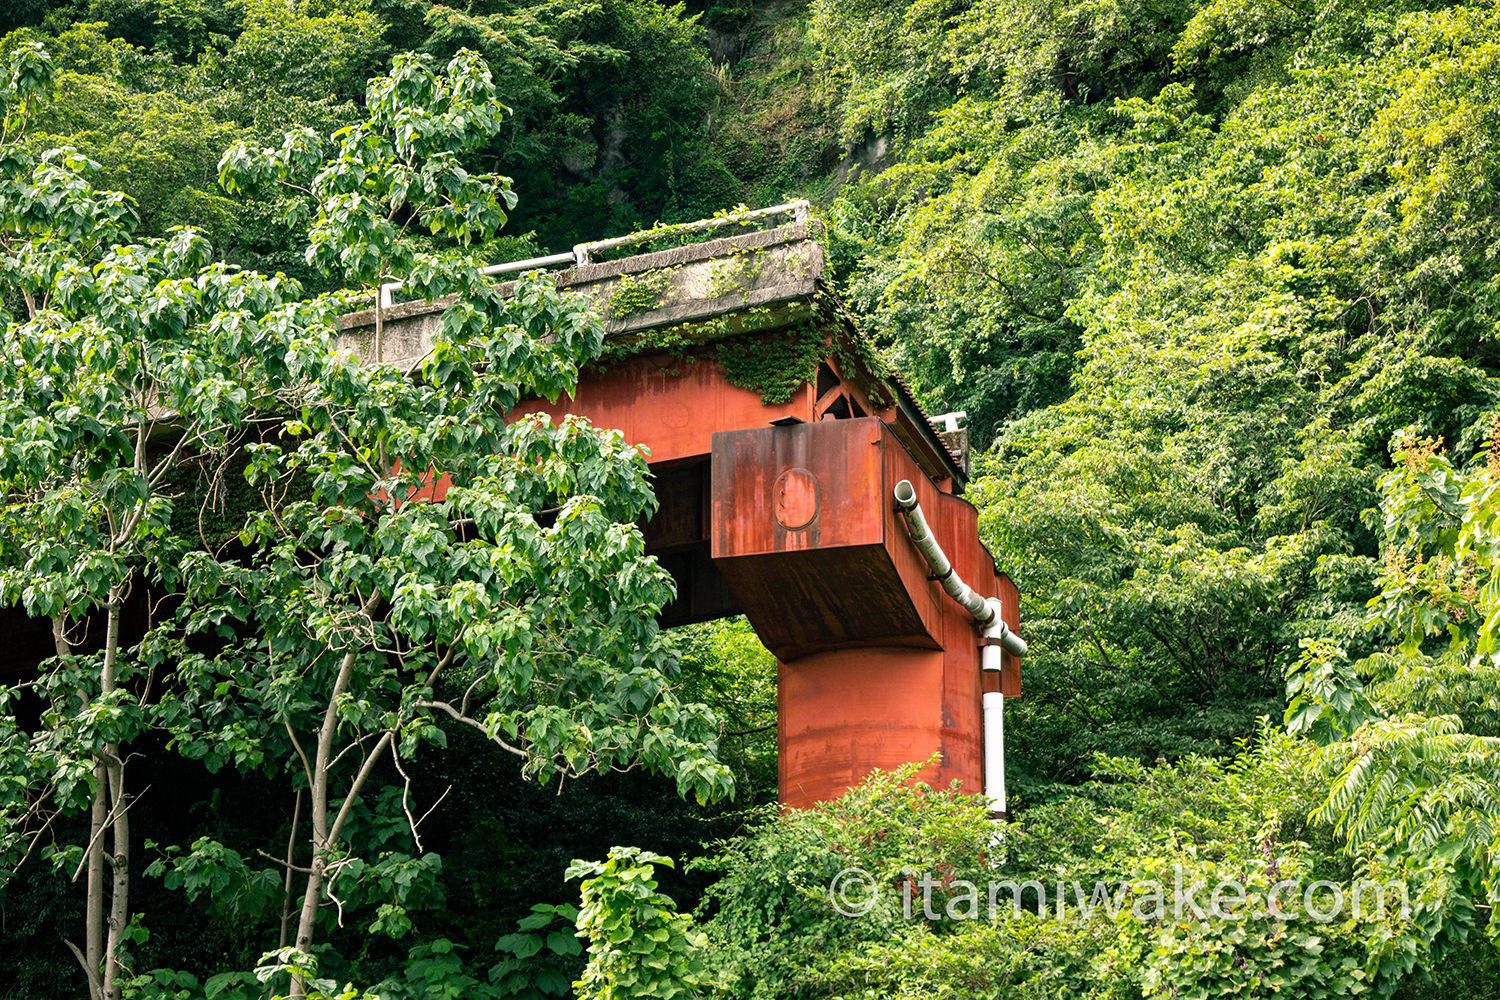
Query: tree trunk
{"type": "Point", "coordinates": [92, 955]}
{"type": "Point", "coordinates": [318, 811]}
{"type": "Point", "coordinates": [119, 860]}
{"type": "Point", "coordinates": [94, 917]}
{"type": "Point", "coordinates": [112, 765]}
{"type": "Point", "coordinates": [326, 834]}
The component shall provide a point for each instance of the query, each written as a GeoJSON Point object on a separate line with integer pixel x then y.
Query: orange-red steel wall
{"type": "Point", "coordinates": [856, 691]}
{"type": "Point", "coordinates": [846, 712]}
{"type": "Point", "coordinates": [843, 711]}
{"type": "Point", "coordinates": [672, 407]}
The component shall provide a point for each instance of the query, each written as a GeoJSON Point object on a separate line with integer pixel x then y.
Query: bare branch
{"type": "Point", "coordinates": [306, 767]}
{"type": "Point", "coordinates": [108, 821]}
{"type": "Point", "coordinates": [359, 780]}
{"type": "Point", "coordinates": [444, 706]}
{"type": "Point", "coordinates": [291, 847]}
{"type": "Point", "coordinates": [96, 988]}
{"type": "Point", "coordinates": [283, 862]}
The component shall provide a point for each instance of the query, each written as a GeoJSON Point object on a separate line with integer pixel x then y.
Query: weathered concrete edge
{"type": "Point", "coordinates": [702, 310]}
{"type": "Point", "coordinates": [589, 274]}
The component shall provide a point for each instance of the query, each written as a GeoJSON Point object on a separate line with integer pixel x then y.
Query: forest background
{"type": "Point", "coordinates": [1216, 284]}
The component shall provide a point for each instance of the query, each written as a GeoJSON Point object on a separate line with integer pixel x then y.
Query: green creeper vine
{"type": "Point", "coordinates": [638, 293]}
{"type": "Point", "coordinates": [775, 365]}
{"type": "Point", "coordinates": [664, 340]}
{"type": "Point", "coordinates": [639, 945]}
{"type": "Point", "coordinates": [737, 272]}
{"type": "Point", "coordinates": [675, 234]}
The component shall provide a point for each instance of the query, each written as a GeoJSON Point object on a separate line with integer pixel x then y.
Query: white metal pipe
{"type": "Point", "coordinates": [797, 209]}
{"type": "Point", "coordinates": [994, 750]}
{"type": "Point", "coordinates": [580, 254]}
{"type": "Point", "coordinates": [529, 264]}
{"type": "Point", "coordinates": [942, 569]}
{"type": "Point", "coordinates": [998, 639]}
{"type": "Point", "coordinates": [991, 657]}
{"type": "Point", "coordinates": [985, 611]}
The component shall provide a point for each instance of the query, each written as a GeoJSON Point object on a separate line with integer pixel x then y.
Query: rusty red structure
{"type": "Point", "coordinates": [776, 500]}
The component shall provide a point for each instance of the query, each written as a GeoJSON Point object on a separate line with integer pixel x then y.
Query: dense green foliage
{"type": "Point", "coordinates": [775, 934]}
{"type": "Point", "coordinates": [1214, 281]}
{"type": "Point", "coordinates": [639, 945]}
{"type": "Point", "coordinates": [1200, 274]}
{"type": "Point", "coordinates": [521, 604]}
{"type": "Point", "coordinates": [1188, 269]}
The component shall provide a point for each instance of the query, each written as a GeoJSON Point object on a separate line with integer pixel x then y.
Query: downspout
{"type": "Point", "coordinates": [995, 638]}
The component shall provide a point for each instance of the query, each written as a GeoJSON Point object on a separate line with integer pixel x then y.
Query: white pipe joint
{"type": "Point", "coordinates": [992, 640]}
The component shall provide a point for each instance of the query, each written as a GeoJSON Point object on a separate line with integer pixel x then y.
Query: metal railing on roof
{"type": "Point", "coordinates": [583, 252]}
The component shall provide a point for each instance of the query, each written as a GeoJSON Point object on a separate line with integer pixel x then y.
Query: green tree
{"type": "Point", "coordinates": [612, 99]}
{"type": "Point", "coordinates": [116, 342]}
{"type": "Point", "coordinates": [375, 615]}
{"type": "Point", "coordinates": [1418, 784]}
{"type": "Point", "coordinates": [291, 65]}
{"type": "Point", "coordinates": [725, 667]}
{"type": "Point", "coordinates": [354, 615]}
{"type": "Point", "coordinates": [1190, 294]}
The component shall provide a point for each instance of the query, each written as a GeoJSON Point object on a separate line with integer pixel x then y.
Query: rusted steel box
{"type": "Point", "coordinates": [806, 534]}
